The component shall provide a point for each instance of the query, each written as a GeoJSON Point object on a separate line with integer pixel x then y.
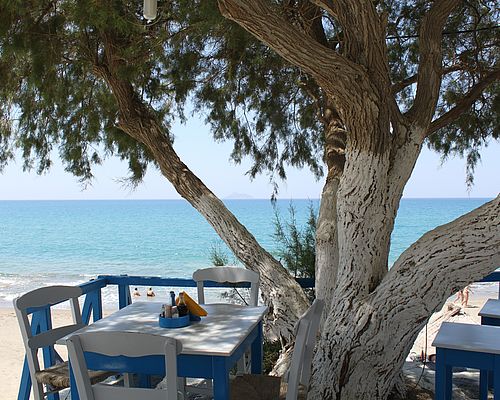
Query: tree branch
{"type": "Point", "coordinates": [444, 261]}
{"type": "Point", "coordinates": [464, 103]}
{"type": "Point", "coordinates": [429, 71]}
{"type": "Point", "coordinates": [364, 31]}
{"type": "Point", "coordinates": [335, 73]}
{"type": "Point", "coordinates": [327, 5]}
{"type": "Point", "coordinates": [398, 86]}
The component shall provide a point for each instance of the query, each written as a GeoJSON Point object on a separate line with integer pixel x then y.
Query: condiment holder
{"type": "Point", "coordinates": [169, 316]}
{"type": "Point", "coordinates": [174, 322]}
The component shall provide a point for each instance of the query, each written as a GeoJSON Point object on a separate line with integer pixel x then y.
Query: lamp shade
{"type": "Point", "coordinates": [150, 9]}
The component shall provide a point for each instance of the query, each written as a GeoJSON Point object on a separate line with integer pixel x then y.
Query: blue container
{"type": "Point", "coordinates": [173, 322]}
{"type": "Point", "coordinates": [193, 317]}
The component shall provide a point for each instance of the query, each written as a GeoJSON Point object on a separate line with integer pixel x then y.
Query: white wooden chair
{"type": "Point", "coordinates": [56, 377]}
{"type": "Point", "coordinates": [227, 274]}
{"type": "Point", "coordinates": [230, 275]}
{"type": "Point", "coordinates": [123, 344]}
{"type": "Point", "coordinates": [259, 387]}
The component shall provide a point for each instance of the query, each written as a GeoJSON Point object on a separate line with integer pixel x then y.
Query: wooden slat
{"type": "Point", "coordinates": [48, 296]}
{"type": "Point", "coordinates": [49, 338]}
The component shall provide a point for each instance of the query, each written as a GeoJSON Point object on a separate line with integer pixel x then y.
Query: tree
{"type": "Point", "coordinates": [381, 123]}
{"type": "Point", "coordinates": [361, 84]}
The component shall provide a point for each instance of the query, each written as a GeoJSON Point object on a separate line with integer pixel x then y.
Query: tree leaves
{"type": "Point", "coordinates": [273, 112]}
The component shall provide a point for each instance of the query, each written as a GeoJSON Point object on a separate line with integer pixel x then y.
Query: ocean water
{"type": "Point", "coordinates": [69, 242]}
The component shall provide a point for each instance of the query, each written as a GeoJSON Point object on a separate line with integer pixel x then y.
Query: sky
{"type": "Point", "coordinates": [210, 161]}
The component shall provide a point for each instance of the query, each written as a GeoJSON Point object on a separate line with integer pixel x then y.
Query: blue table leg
{"type": "Point", "coordinates": [494, 322]}
{"type": "Point", "coordinates": [443, 376]}
{"type": "Point", "coordinates": [256, 349]}
{"type": "Point", "coordinates": [484, 381]}
{"type": "Point", "coordinates": [496, 378]}
{"type": "Point", "coordinates": [448, 382]}
{"type": "Point", "coordinates": [72, 382]}
{"type": "Point", "coordinates": [220, 370]}
{"type": "Point", "coordinates": [144, 381]}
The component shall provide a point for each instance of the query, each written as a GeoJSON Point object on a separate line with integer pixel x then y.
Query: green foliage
{"type": "Point", "coordinates": [50, 97]}
{"type": "Point", "coordinates": [218, 256]}
{"type": "Point", "coordinates": [52, 102]}
{"type": "Point", "coordinates": [296, 246]}
{"type": "Point", "coordinates": [470, 44]}
{"type": "Point", "coordinates": [471, 131]}
{"type": "Point", "coordinates": [271, 352]}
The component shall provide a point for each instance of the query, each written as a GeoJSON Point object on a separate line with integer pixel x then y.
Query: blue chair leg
{"type": "Point", "coordinates": [72, 383]}
{"type": "Point", "coordinates": [25, 386]}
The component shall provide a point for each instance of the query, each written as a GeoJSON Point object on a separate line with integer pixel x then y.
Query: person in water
{"type": "Point", "coordinates": [150, 293]}
{"type": "Point", "coordinates": [136, 293]}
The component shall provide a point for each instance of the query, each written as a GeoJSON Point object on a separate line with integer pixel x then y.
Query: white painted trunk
{"type": "Point", "coordinates": [365, 222]}
{"type": "Point", "coordinates": [367, 337]}
{"type": "Point", "coordinates": [327, 254]}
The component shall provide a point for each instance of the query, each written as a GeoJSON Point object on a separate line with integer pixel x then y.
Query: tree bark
{"type": "Point", "coordinates": [366, 338]}
{"type": "Point", "coordinates": [327, 251]}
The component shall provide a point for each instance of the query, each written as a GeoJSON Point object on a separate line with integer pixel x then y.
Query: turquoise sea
{"type": "Point", "coordinates": [67, 242]}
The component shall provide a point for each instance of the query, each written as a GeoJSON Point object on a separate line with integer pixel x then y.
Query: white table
{"type": "Point", "coordinates": [210, 348]}
{"type": "Point", "coordinates": [468, 337]}
{"type": "Point", "coordinates": [490, 313]}
{"type": "Point", "coordinates": [471, 346]}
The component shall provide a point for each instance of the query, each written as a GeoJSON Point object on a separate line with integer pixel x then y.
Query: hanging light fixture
{"type": "Point", "coordinates": [150, 9]}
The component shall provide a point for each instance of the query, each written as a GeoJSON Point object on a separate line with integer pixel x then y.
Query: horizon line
{"type": "Point", "coordinates": [242, 199]}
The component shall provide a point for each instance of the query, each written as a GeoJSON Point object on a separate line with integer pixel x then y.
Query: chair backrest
{"type": "Point", "coordinates": [227, 274]}
{"type": "Point", "coordinates": [305, 339]}
{"type": "Point", "coordinates": [127, 344]}
{"type": "Point", "coordinates": [40, 300]}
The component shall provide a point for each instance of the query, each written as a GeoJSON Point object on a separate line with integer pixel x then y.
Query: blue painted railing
{"type": "Point", "coordinates": [92, 307]}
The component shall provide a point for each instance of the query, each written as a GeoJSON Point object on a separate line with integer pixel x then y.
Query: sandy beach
{"type": "Point", "coordinates": [12, 349]}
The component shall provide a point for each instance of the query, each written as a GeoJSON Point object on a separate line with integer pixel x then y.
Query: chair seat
{"type": "Point", "coordinates": [261, 387]}
{"type": "Point", "coordinates": [57, 376]}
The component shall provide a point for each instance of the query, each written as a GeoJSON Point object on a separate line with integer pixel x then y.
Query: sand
{"type": "Point", "coordinates": [12, 349]}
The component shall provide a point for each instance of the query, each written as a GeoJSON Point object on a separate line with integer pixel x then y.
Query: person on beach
{"type": "Point", "coordinates": [150, 293]}
{"type": "Point", "coordinates": [463, 296]}
{"type": "Point", "coordinates": [136, 293]}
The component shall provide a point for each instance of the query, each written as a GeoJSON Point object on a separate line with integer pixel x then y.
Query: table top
{"type": "Point", "coordinates": [219, 333]}
{"type": "Point", "coordinates": [468, 337]}
{"type": "Point", "coordinates": [491, 309]}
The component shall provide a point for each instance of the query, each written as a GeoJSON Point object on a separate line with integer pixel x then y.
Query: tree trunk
{"type": "Point", "coordinates": [367, 337]}
{"type": "Point", "coordinates": [327, 251]}
{"type": "Point", "coordinates": [285, 298]}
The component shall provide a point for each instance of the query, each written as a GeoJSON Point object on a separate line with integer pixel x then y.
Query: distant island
{"type": "Point", "coordinates": [238, 196]}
